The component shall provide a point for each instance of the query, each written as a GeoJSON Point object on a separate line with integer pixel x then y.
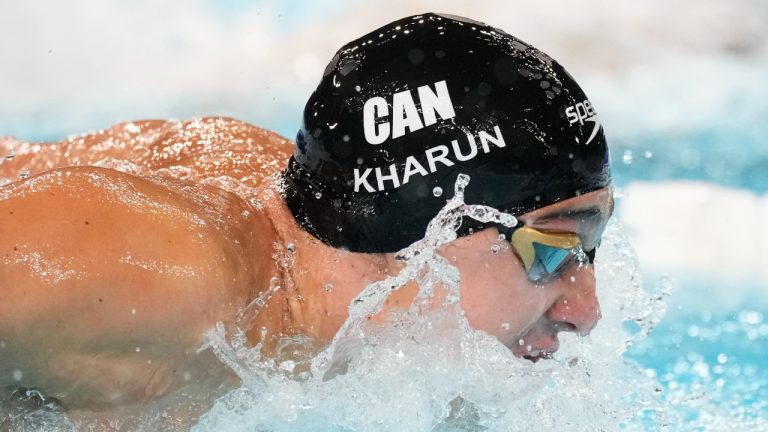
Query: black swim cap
{"type": "Point", "coordinates": [403, 110]}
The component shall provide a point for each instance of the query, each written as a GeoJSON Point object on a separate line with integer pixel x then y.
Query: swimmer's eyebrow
{"type": "Point", "coordinates": [589, 215]}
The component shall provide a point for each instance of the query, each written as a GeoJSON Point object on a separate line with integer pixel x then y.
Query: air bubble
{"type": "Point", "coordinates": [11, 154]}
{"type": "Point", "coordinates": [505, 326]}
{"type": "Point", "coordinates": [24, 173]}
{"type": "Point", "coordinates": [495, 248]}
{"type": "Point", "coordinates": [318, 195]}
{"type": "Point", "coordinates": [328, 287]}
{"type": "Point", "coordinates": [437, 191]}
{"type": "Point", "coordinates": [17, 375]}
{"type": "Point", "coordinates": [502, 237]}
{"type": "Point", "coordinates": [627, 158]}
{"type": "Point", "coordinates": [291, 247]}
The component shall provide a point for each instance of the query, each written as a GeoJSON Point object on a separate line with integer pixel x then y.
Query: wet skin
{"type": "Point", "coordinates": [110, 277]}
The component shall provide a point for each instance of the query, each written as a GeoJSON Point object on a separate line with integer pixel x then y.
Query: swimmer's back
{"type": "Point", "coordinates": [194, 150]}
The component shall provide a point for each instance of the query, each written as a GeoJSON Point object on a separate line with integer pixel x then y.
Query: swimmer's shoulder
{"type": "Point", "coordinates": [118, 239]}
{"type": "Point", "coordinates": [221, 146]}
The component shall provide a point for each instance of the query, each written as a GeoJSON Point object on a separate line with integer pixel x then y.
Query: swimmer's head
{"type": "Point", "coordinates": [403, 110]}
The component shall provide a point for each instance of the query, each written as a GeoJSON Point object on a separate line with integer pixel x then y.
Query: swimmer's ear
{"type": "Point", "coordinates": [386, 261]}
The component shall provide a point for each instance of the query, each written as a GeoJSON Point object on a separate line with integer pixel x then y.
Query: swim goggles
{"type": "Point", "coordinates": [546, 255]}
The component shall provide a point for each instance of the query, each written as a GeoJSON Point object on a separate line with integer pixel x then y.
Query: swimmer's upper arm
{"type": "Point", "coordinates": [97, 261]}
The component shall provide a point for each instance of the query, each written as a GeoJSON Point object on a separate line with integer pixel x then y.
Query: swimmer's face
{"type": "Point", "coordinates": [499, 299]}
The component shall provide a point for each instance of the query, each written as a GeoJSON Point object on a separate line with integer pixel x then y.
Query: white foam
{"type": "Point", "coordinates": [699, 231]}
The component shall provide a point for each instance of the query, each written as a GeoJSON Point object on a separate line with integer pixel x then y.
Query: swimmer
{"type": "Point", "coordinates": [121, 248]}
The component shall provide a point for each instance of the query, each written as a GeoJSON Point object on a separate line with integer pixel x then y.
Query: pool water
{"type": "Point", "coordinates": [712, 366]}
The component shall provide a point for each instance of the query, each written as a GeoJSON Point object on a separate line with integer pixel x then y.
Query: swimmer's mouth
{"type": "Point", "coordinates": [542, 349]}
{"type": "Point", "coordinates": [535, 356]}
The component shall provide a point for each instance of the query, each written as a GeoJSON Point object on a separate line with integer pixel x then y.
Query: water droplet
{"type": "Point", "coordinates": [24, 173]}
{"type": "Point", "coordinates": [505, 326]}
{"type": "Point", "coordinates": [138, 349]}
{"type": "Point", "coordinates": [133, 311]}
{"type": "Point", "coordinates": [357, 89]}
{"type": "Point", "coordinates": [573, 279]}
{"type": "Point", "coordinates": [288, 365]}
{"type": "Point", "coordinates": [291, 247]}
{"type": "Point", "coordinates": [345, 138]}
{"type": "Point", "coordinates": [521, 342]}
{"type": "Point", "coordinates": [187, 376]}
{"type": "Point", "coordinates": [648, 154]}
{"type": "Point", "coordinates": [328, 287]}
{"type": "Point", "coordinates": [50, 52]}
{"type": "Point", "coordinates": [502, 237]}
{"type": "Point", "coordinates": [529, 348]}
{"type": "Point", "coordinates": [2, 344]}
{"type": "Point", "coordinates": [627, 157]}
{"type": "Point", "coordinates": [318, 195]}
{"type": "Point", "coordinates": [507, 220]}
{"type": "Point", "coordinates": [17, 375]}
{"type": "Point", "coordinates": [722, 358]}
{"type": "Point", "coordinates": [437, 191]}
{"type": "Point", "coordinates": [495, 248]}
{"type": "Point", "coordinates": [11, 154]}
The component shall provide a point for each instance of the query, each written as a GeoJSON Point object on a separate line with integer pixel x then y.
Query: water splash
{"type": "Point", "coordinates": [426, 369]}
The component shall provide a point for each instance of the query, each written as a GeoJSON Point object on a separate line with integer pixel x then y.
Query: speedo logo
{"type": "Point", "coordinates": [583, 112]}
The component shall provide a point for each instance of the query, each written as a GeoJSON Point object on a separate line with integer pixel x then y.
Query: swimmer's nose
{"type": "Point", "coordinates": [577, 309]}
